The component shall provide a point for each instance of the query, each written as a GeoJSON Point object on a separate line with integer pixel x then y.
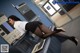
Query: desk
{"type": "Point", "coordinates": [24, 44]}
{"type": "Point", "coordinates": [52, 45]}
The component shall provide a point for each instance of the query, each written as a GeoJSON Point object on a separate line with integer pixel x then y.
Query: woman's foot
{"type": "Point", "coordinates": [74, 39]}
{"type": "Point", "coordinates": [59, 29]}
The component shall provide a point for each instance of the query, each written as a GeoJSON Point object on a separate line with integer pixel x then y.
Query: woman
{"type": "Point", "coordinates": [37, 28]}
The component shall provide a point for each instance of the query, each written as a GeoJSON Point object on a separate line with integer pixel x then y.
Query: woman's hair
{"type": "Point", "coordinates": [13, 17]}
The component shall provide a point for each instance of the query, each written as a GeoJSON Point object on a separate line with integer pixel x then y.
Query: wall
{"type": "Point", "coordinates": [7, 9]}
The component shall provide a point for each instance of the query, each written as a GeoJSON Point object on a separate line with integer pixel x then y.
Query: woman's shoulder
{"type": "Point", "coordinates": [22, 21]}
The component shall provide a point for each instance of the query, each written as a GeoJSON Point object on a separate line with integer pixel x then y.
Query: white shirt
{"type": "Point", "coordinates": [20, 26]}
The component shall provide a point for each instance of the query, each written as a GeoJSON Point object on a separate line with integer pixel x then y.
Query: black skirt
{"type": "Point", "coordinates": [31, 26]}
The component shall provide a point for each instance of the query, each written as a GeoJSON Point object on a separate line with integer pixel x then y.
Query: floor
{"type": "Point", "coordinates": [72, 29]}
{"type": "Point", "coordinates": [63, 19]}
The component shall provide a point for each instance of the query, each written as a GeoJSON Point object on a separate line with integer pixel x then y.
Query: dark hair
{"type": "Point", "coordinates": [13, 17]}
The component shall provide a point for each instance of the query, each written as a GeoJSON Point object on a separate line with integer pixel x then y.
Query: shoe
{"type": "Point", "coordinates": [59, 29]}
{"type": "Point", "coordinates": [74, 39]}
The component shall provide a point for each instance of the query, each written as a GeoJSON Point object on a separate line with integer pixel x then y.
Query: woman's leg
{"type": "Point", "coordinates": [38, 32]}
{"type": "Point", "coordinates": [48, 33]}
{"type": "Point", "coordinates": [72, 38]}
{"type": "Point", "coordinates": [43, 31]}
